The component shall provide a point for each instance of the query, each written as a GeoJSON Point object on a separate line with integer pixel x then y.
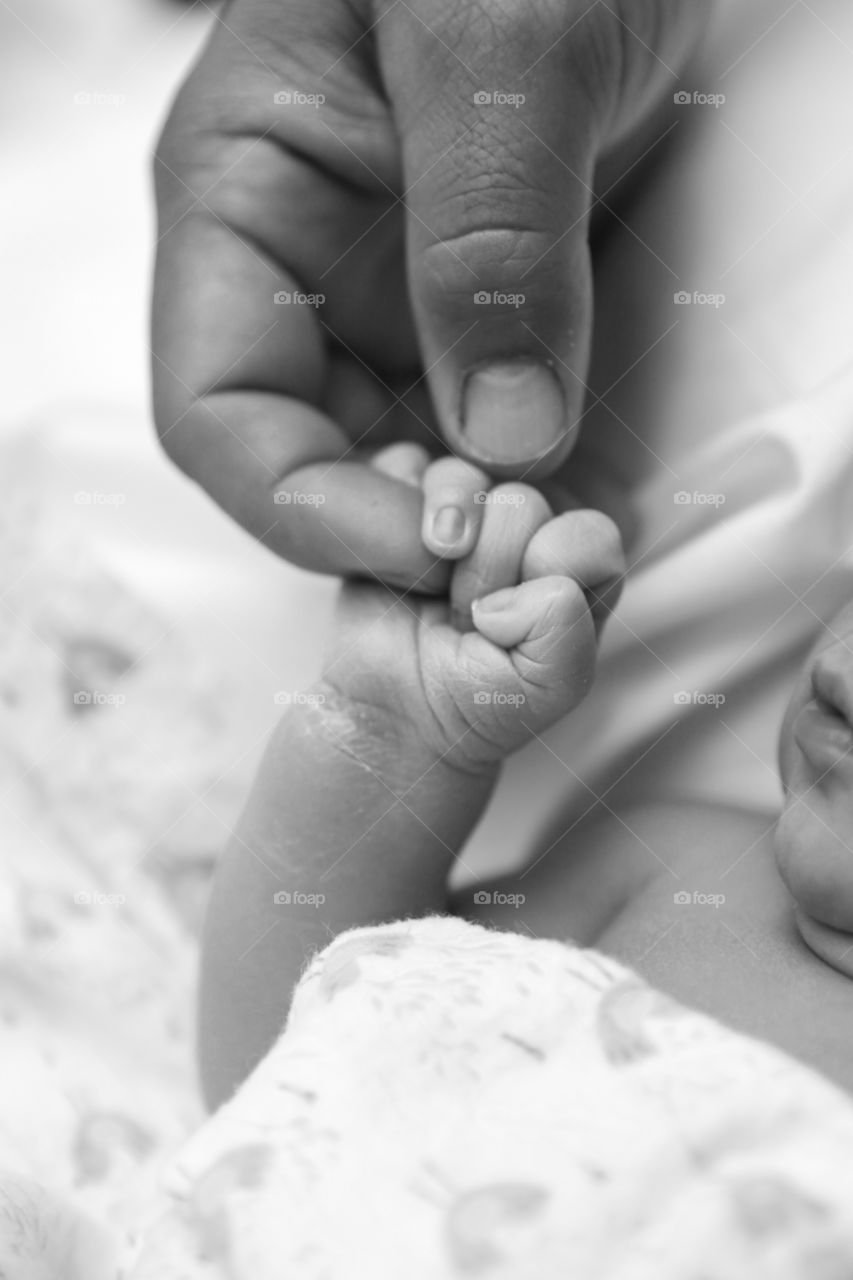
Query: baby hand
{"type": "Point", "coordinates": [472, 697]}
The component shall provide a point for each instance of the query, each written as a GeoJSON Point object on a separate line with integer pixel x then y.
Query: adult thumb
{"type": "Point", "coordinates": [498, 174]}
{"type": "Point", "coordinates": [503, 111]}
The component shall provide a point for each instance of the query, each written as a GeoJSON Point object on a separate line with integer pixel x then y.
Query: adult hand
{"type": "Point", "coordinates": [374, 227]}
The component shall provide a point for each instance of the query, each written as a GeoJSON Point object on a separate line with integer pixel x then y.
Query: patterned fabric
{"type": "Point", "coordinates": [448, 1101]}
{"type": "Point", "coordinates": [114, 738]}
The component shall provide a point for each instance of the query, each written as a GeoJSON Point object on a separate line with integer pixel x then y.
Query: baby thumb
{"type": "Point", "coordinates": [547, 627]}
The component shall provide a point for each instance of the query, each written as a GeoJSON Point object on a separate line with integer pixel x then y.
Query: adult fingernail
{"type": "Point", "coordinates": [513, 412]}
{"type": "Point", "coordinates": [448, 526]}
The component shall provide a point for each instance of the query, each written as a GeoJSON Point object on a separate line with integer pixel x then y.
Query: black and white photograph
{"type": "Point", "coordinates": [426, 640]}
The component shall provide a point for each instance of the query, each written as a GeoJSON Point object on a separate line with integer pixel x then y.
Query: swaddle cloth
{"type": "Point", "coordinates": [448, 1101]}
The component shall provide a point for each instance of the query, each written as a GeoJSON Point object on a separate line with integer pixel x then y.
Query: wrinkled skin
{"type": "Point", "coordinates": [399, 197]}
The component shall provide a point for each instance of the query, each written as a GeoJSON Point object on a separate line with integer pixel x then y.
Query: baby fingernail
{"type": "Point", "coordinates": [448, 526]}
{"type": "Point", "coordinates": [513, 412]}
{"type": "Point", "coordinates": [497, 602]}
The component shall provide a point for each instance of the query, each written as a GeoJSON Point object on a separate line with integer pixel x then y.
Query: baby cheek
{"type": "Point", "coordinates": [788, 840]}
{"type": "Point", "coordinates": [814, 853]}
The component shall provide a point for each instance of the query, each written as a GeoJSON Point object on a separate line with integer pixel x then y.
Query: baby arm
{"type": "Point", "coordinates": [351, 820]}
{"type": "Point", "coordinates": [373, 780]}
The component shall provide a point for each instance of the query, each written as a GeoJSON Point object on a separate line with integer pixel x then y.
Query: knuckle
{"type": "Point", "coordinates": [404, 460]}
{"type": "Point", "coordinates": [514, 496]}
{"type": "Point", "coordinates": [526, 280]}
{"type": "Point", "coordinates": [459, 266]}
{"type": "Point", "coordinates": [178, 419]}
{"type": "Point", "coordinates": [190, 153]}
{"type": "Point", "coordinates": [605, 539]}
{"type": "Point", "coordinates": [568, 591]}
{"type": "Point", "coordinates": [454, 473]}
{"type": "Point", "coordinates": [470, 254]}
{"type": "Point", "coordinates": [569, 603]}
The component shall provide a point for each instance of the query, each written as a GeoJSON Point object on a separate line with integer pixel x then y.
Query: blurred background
{"type": "Point", "coordinates": [85, 87]}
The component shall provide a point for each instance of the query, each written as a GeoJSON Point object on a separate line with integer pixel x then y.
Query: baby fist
{"type": "Point", "coordinates": [530, 661]}
{"type": "Point", "coordinates": [471, 698]}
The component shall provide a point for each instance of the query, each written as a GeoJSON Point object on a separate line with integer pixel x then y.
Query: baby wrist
{"type": "Point", "coordinates": [389, 742]}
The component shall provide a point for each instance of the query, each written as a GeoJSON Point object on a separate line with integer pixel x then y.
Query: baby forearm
{"type": "Point", "coordinates": [351, 821]}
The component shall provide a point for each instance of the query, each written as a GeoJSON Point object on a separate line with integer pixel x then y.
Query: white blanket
{"type": "Point", "coordinates": [448, 1101]}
